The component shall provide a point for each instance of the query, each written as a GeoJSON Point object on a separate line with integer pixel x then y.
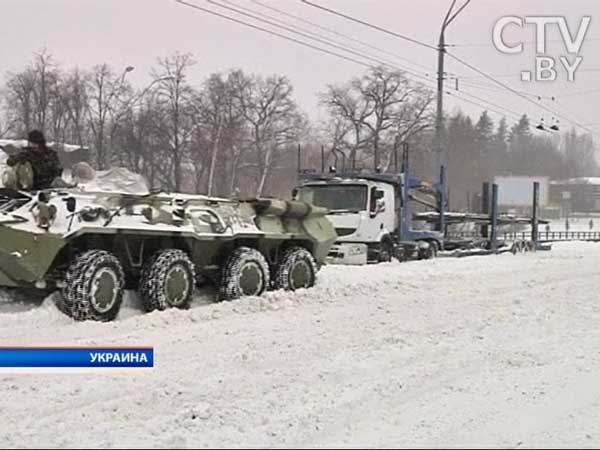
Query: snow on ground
{"type": "Point", "coordinates": [483, 351]}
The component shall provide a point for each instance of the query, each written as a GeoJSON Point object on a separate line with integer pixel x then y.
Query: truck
{"type": "Point", "coordinates": [371, 213]}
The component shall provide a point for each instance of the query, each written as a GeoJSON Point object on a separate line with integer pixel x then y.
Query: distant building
{"type": "Point", "coordinates": [515, 195]}
{"type": "Point", "coordinates": [517, 191]}
{"type": "Point", "coordinates": [576, 195]}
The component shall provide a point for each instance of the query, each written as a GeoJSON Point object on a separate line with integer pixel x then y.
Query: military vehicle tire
{"type": "Point", "coordinates": [246, 272]}
{"type": "Point", "coordinates": [94, 286]}
{"type": "Point", "coordinates": [296, 269]}
{"type": "Point", "coordinates": [167, 281]}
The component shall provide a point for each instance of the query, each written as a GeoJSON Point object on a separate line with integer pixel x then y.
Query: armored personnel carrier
{"type": "Point", "coordinates": [91, 244]}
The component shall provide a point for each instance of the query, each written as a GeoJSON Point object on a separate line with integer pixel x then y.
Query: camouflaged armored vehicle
{"type": "Point", "coordinates": [92, 243]}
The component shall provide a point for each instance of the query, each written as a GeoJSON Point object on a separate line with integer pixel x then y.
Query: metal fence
{"type": "Point", "coordinates": [543, 236]}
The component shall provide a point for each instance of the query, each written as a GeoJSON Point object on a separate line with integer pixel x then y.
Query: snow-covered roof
{"type": "Point", "coordinates": [580, 180]}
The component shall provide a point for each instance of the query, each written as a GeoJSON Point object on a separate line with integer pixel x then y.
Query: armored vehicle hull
{"type": "Point", "coordinates": [92, 245]}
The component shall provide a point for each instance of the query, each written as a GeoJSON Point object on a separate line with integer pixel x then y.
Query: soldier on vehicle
{"type": "Point", "coordinates": [37, 166]}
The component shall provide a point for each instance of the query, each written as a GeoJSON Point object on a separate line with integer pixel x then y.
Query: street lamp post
{"type": "Point", "coordinates": [439, 147]}
{"type": "Point", "coordinates": [441, 157]}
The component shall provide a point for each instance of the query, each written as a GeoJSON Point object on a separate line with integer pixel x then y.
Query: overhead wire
{"type": "Point", "coordinates": [488, 44]}
{"type": "Point", "coordinates": [515, 92]}
{"type": "Point", "coordinates": [343, 35]}
{"type": "Point", "coordinates": [370, 25]}
{"type": "Point", "coordinates": [456, 58]}
{"type": "Point", "coordinates": [480, 102]}
{"type": "Point", "coordinates": [309, 36]}
{"type": "Point", "coordinates": [274, 33]}
{"type": "Point", "coordinates": [288, 27]}
{"type": "Point", "coordinates": [302, 31]}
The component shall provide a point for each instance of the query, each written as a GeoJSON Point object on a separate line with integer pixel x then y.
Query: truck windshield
{"type": "Point", "coordinates": [336, 197]}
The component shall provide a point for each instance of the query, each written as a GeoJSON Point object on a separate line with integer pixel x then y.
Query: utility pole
{"type": "Point", "coordinates": [441, 154]}
{"type": "Point", "coordinates": [439, 145]}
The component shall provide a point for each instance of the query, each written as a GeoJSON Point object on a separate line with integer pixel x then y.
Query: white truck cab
{"type": "Point", "coordinates": [364, 214]}
{"type": "Point", "coordinates": [370, 211]}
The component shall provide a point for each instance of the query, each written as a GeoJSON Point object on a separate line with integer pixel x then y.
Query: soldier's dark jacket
{"type": "Point", "coordinates": [44, 162]}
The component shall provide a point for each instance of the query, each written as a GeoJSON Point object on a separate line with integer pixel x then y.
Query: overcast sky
{"type": "Point", "coordinates": [135, 32]}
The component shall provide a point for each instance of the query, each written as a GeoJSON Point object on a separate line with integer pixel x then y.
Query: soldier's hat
{"type": "Point", "coordinates": [36, 137]}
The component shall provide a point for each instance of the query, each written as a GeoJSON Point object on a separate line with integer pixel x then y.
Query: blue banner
{"type": "Point", "coordinates": [76, 357]}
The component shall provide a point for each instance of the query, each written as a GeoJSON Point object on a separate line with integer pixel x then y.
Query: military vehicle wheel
{"type": "Point", "coordinates": [167, 281]}
{"type": "Point", "coordinates": [94, 286]}
{"type": "Point", "coordinates": [296, 269]}
{"type": "Point", "coordinates": [246, 272]}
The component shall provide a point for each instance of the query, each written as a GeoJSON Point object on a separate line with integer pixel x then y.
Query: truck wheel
{"type": "Point", "coordinates": [296, 269]}
{"type": "Point", "coordinates": [167, 281]}
{"type": "Point", "coordinates": [246, 272]}
{"type": "Point", "coordinates": [386, 251]}
{"type": "Point", "coordinates": [427, 253]}
{"type": "Point", "coordinates": [94, 286]}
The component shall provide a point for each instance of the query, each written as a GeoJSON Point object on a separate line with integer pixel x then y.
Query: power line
{"type": "Point", "coordinates": [362, 63]}
{"type": "Point", "coordinates": [461, 61]}
{"type": "Point", "coordinates": [507, 87]}
{"type": "Point", "coordinates": [554, 101]}
{"type": "Point", "coordinates": [575, 94]}
{"type": "Point", "coordinates": [305, 32]}
{"type": "Point", "coordinates": [483, 86]}
{"type": "Point", "coordinates": [482, 106]}
{"type": "Point", "coordinates": [514, 75]}
{"type": "Point", "coordinates": [491, 88]}
{"type": "Point", "coordinates": [567, 111]}
{"type": "Point", "coordinates": [360, 54]}
{"type": "Point", "coordinates": [342, 35]}
{"type": "Point", "coordinates": [309, 36]}
{"type": "Point", "coordinates": [367, 24]}
{"type": "Point", "coordinates": [274, 33]}
{"type": "Point", "coordinates": [488, 44]}
{"type": "Point", "coordinates": [495, 105]}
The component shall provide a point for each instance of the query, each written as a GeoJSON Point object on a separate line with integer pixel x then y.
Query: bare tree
{"type": "Point", "coordinates": [105, 98]}
{"type": "Point", "coordinates": [74, 96]}
{"type": "Point", "coordinates": [175, 98]}
{"type": "Point", "coordinates": [7, 122]}
{"type": "Point", "coordinates": [213, 107]}
{"type": "Point", "coordinates": [32, 94]}
{"type": "Point", "coordinates": [347, 110]}
{"type": "Point", "coordinates": [382, 107]}
{"type": "Point", "coordinates": [272, 117]}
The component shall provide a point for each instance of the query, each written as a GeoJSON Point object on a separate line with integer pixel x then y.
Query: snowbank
{"type": "Point", "coordinates": [485, 351]}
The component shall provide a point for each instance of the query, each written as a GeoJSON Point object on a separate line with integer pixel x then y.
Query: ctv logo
{"type": "Point", "coordinates": [547, 68]}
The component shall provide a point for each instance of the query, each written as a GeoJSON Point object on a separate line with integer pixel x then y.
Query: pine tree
{"type": "Point", "coordinates": [485, 128]}
{"type": "Point", "coordinates": [521, 130]}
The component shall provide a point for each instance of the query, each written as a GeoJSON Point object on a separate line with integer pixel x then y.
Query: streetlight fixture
{"type": "Point", "coordinates": [134, 100]}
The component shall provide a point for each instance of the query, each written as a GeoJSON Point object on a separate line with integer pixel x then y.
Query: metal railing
{"type": "Point", "coordinates": [543, 236]}
{"type": "Point", "coordinates": [554, 236]}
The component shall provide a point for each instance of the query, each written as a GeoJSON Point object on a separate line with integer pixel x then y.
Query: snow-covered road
{"type": "Point", "coordinates": [482, 351]}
